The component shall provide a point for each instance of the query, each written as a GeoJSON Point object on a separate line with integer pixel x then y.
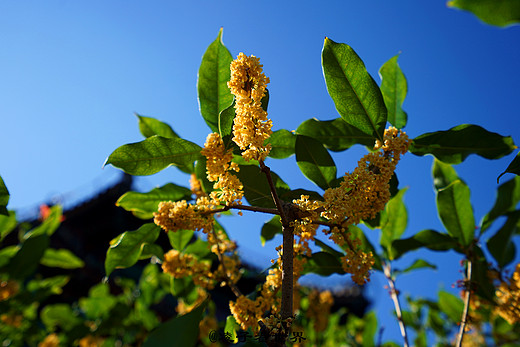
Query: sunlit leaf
{"type": "Point", "coordinates": [125, 249]}
{"type": "Point", "coordinates": [336, 135]}
{"type": "Point", "coordinates": [282, 144]}
{"type": "Point", "coordinates": [394, 219]}
{"type": "Point", "coordinates": [146, 203]}
{"type": "Point", "coordinates": [495, 12]}
{"type": "Point", "coordinates": [513, 167]}
{"type": "Point", "coordinates": [508, 196]}
{"type": "Point", "coordinates": [4, 197]}
{"type": "Point", "coordinates": [454, 145]}
{"type": "Point", "coordinates": [356, 95]}
{"type": "Point", "coordinates": [49, 286]}
{"type": "Point", "coordinates": [62, 258]}
{"type": "Point", "coordinates": [184, 330]}
{"type": "Point", "coordinates": [150, 126]}
{"type": "Point", "coordinates": [214, 73]}
{"type": "Point", "coordinates": [180, 238]}
{"type": "Point", "coordinates": [315, 161]}
{"type": "Point", "coordinates": [501, 245]}
{"type": "Point", "coordinates": [59, 315]}
{"type": "Point", "coordinates": [443, 174]}
{"type": "Point", "coordinates": [451, 305]}
{"type": "Point", "coordinates": [99, 302]}
{"type": "Point", "coordinates": [456, 212]}
{"type": "Point", "coordinates": [26, 260]}
{"type": "Point", "coordinates": [49, 225]}
{"type": "Point", "coordinates": [394, 89]}
{"type": "Point", "coordinates": [153, 155]}
{"type": "Point", "coordinates": [7, 224]}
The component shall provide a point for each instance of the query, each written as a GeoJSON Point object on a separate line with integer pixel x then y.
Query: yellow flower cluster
{"type": "Point", "coordinates": [196, 186]}
{"type": "Point", "coordinates": [320, 304]}
{"type": "Point", "coordinates": [508, 298]}
{"type": "Point", "coordinates": [251, 126]}
{"type": "Point", "coordinates": [276, 325]}
{"type": "Point", "coordinates": [365, 192]}
{"type": "Point", "coordinates": [180, 265]}
{"type": "Point", "coordinates": [14, 320]}
{"type": "Point", "coordinates": [248, 312]}
{"type": "Point", "coordinates": [91, 341]}
{"type": "Point", "coordinates": [179, 215]}
{"type": "Point", "coordinates": [218, 167]}
{"type": "Point", "coordinates": [51, 340]}
{"type": "Point", "coordinates": [8, 289]}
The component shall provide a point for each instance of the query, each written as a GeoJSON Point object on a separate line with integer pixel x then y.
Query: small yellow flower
{"type": "Point", "coordinates": [51, 340]}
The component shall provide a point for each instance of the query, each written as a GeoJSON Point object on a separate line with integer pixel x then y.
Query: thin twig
{"type": "Point", "coordinates": [395, 297]}
{"type": "Point", "coordinates": [231, 285]}
{"type": "Point", "coordinates": [467, 298]}
{"type": "Point", "coordinates": [245, 208]}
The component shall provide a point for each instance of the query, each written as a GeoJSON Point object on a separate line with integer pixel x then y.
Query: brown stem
{"type": "Point", "coordinates": [245, 208]}
{"type": "Point", "coordinates": [467, 298]}
{"type": "Point", "coordinates": [395, 297]}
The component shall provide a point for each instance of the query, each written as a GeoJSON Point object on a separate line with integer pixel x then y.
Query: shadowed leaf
{"type": "Point", "coordinates": [315, 161]}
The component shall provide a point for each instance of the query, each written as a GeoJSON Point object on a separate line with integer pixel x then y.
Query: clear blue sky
{"type": "Point", "coordinates": [72, 73]}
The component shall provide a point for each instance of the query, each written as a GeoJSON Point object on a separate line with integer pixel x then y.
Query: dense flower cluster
{"type": "Point", "coordinates": [508, 298]}
{"type": "Point", "coordinates": [179, 215]}
{"type": "Point", "coordinates": [251, 126]}
{"type": "Point", "coordinates": [180, 265]}
{"type": "Point", "coordinates": [51, 340]}
{"type": "Point", "coordinates": [320, 304]}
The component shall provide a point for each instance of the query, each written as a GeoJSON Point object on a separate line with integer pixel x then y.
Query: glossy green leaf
{"type": "Point", "coordinates": [232, 327]}
{"type": "Point", "coordinates": [181, 330]}
{"type": "Point", "coordinates": [59, 315]}
{"type": "Point", "coordinates": [150, 126]}
{"type": "Point", "coordinates": [225, 123]}
{"type": "Point", "coordinates": [430, 239]}
{"type": "Point", "coordinates": [49, 285]}
{"type": "Point", "coordinates": [282, 144]}
{"type": "Point", "coordinates": [4, 198]}
{"type": "Point", "coordinates": [315, 161]}
{"type": "Point", "coordinates": [451, 305]}
{"type": "Point", "coordinates": [394, 220]}
{"type": "Point", "coordinates": [443, 174]}
{"type": "Point", "coordinates": [49, 225]}
{"type": "Point", "coordinates": [454, 145]}
{"type": "Point", "coordinates": [417, 265]}
{"type": "Point", "coordinates": [7, 224]}
{"type": "Point", "coordinates": [199, 249]}
{"type": "Point", "coordinates": [256, 188]}
{"type": "Point", "coordinates": [513, 167]}
{"type": "Point", "coordinates": [99, 302]}
{"type": "Point", "coordinates": [501, 245]}
{"type": "Point", "coordinates": [26, 260]}
{"type": "Point", "coordinates": [336, 135]}
{"type": "Point", "coordinates": [152, 250]}
{"type": "Point", "coordinates": [456, 212]}
{"type": "Point", "coordinates": [394, 89]}
{"type": "Point", "coordinates": [356, 95]}
{"type": "Point", "coordinates": [180, 239]}
{"type": "Point", "coordinates": [214, 73]}
{"type": "Point", "coordinates": [124, 250]}
{"type": "Point", "coordinates": [146, 203]}
{"type": "Point", "coordinates": [270, 229]}
{"type": "Point", "coordinates": [62, 258]}
{"type": "Point", "coordinates": [508, 196]}
{"type": "Point", "coordinates": [495, 12]}
{"type": "Point", "coordinates": [323, 264]}
{"type": "Point", "coordinates": [153, 155]}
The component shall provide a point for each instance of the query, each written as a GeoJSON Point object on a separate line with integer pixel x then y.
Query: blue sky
{"type": "Point", "coordinates": [73, 73]}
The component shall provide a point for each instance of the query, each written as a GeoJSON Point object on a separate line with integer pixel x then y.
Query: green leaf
{"type": "Point", "coordinates": [456, 212]}
{"type": "Point", "coordinates": [232, 327]}
{"type": "Point", "coordinates": [181, 330]}
{"type": "Point", "coordinates": [59, 315]}
{"type": "Point", "coordinates": [214, 73]}
{"type": "Point", "coordinates": [181, 287]}
{"type": "Point", "coordinates": [7, 224]}
{"type": "Point", "coordinates": [297, 194]}
{"type": "Point", "coordinates": [501, 245]}
{"type": "Point", "coordinates": [323, 264]}
{"type": "Point", "coordinates": [99, 302]}
{"type": "Point", "coordinates": [62, 258]}
{"type": "Point", "coordinates": [393, 221]}
{"type": "Point", "coordinates": [480, 276]}
{"type": "Point", "coordinates": [153, 155]}
{"type": "Point", "coordinates": [370, 328]}
{"type": "Point", "coordinates": [198, 248]}
{"type": "Point", "coordinates": [126, 249]}
{"type": "Point", "coordinates": [394, 89]}
{"type": "Point", "coordinates": [326, 248]}
{"type": "Point", "coordinates": [495, 12]}
{"type": "Point", "coordinates": [430, 239]}
{"type": "Point", "coordinates": [315, 161]}
{"type": "Point", "coordinates": [282, 144]}
{"type": "Point", "coordinates": [180, 239]}
{"type": "Point", "coordinates": [51, 285]}
{"type": "Point", "coordinates": [451, 305]}
{"type": "Point", "coordinates": [4, 197]}
{"type": "Point", "coordinates": [513, 167]}
{"type": "Point", "coordinates": [256, 188]}
{"type": "Point", "coordinates": [270, 229]}
{"type": "Point", "coordinates": [365, 246]}
{"type": "Point", "coordinates": [151, 250]}
{"type": "Point", "coordinates": [356, 95]}
{"type": "Point", "coordinates": [200, 172]}
{"type": "Point", "coordinates": [418, 264]}
{"type": "Point", "coordinates": [48, 226]}
{"type": "Point", "coordinates": [6, 253]}
{"type": "Point", "coordinates": [508, 196]}
{"type": "Point", "coordinates": [443, 174]}
{"type": "Point", "coordinates": [454, 145]}
{"type": "Point", "coordinates": [150, 126]}
{"type": "Point", "coordinates": [26, 260]}
{"type": "Point", "coordinates": [336, 135]}
{"type": "Point", "coordinates": [225, 123]}
{"type": "Point", "coordinates": [145, 204]}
